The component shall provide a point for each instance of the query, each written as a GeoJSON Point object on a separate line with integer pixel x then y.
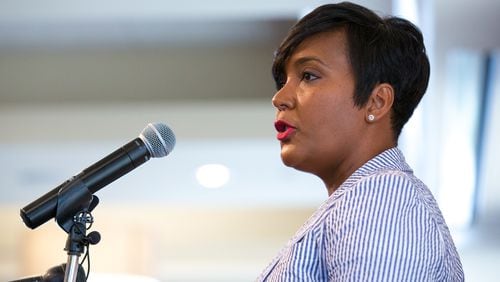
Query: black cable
{"type": "Point", "coordinates": [88, 219]}
{"type": "Point", "coordinates": [87, 258]}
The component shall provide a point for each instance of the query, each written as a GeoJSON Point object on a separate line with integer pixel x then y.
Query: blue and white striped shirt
{"type": "Point", "coordinates": [381, 224]}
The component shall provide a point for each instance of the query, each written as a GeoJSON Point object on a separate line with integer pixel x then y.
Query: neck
{"type": "Point", "coordinates": [336, 176]}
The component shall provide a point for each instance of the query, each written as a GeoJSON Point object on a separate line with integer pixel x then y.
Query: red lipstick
{"type": "Point", "coordinates": [285, 130]}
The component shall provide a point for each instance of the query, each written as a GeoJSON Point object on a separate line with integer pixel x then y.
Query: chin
{"type": "Point", "coordinates": [291, 161]}
{"type": "Point", "coordinates": [287, 162]}
{"type": "Point", "coordinates": [286, 158]}
{"type": "Point", "coordinates": [292, 156]}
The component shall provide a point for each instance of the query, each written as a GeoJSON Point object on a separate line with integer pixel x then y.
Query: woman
{"type": "Point", "coordinates": [347, 82]}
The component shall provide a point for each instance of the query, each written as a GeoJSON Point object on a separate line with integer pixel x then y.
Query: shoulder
{"type": "Point", "coordinates": [383, 198]}
{"type": "Point", "coordinates": [379, 190]}
{"type": "Point", "coordinates": [386, 215]}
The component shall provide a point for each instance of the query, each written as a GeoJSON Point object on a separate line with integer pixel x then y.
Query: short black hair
{"type": "Point", "coordinates": [381, 50]}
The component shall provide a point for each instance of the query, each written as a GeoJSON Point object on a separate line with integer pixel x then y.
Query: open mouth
{"type": "Point", "coordinates": [284, 129]}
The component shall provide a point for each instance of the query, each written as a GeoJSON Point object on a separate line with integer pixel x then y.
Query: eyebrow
{"type": "Point", "coordinates": [302, 60]}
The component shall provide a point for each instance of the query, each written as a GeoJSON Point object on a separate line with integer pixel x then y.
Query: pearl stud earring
{"type": "Point", "coordinates": [371, 117]}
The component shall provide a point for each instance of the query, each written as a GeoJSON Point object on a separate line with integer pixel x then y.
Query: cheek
{"type": "Point", "coordinates": [334, 119]}
{"type": "Point", "coordinates": [325, 112]}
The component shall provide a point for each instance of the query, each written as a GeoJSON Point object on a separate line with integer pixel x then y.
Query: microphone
{"type": "Point", "coordinates": [155, 141]}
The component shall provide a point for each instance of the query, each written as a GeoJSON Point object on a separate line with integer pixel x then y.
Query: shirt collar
{"type": "Point", "coordinates": [390, 159]}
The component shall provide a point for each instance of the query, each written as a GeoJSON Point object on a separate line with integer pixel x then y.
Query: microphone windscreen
{"type": "Point", "coordinates": [159, 139]}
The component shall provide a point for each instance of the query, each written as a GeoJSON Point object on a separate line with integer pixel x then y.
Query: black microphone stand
{"type": "Point", "coordinates": [77, 242]}
{"type": "Point", "coordinates": [74, 204]}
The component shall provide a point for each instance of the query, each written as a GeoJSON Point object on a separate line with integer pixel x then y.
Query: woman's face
{"type": "Point", "coordinates": [317, 122]}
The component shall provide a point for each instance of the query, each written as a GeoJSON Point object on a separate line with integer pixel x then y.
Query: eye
{"type": "Point", "coordinates": [307, 76]}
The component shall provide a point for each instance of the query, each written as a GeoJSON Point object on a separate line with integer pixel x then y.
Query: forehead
{"type": "Point", "coordinates": [329, 46]}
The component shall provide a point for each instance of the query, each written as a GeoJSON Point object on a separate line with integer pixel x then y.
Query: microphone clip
{"type": "Point", "coordinates": [74, 204]}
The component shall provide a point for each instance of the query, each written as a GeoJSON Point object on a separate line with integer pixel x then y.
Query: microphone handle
{"type": "Point", "coordinates": [115, 165]}
{"type": "Point", "coordinates": [95, 177]}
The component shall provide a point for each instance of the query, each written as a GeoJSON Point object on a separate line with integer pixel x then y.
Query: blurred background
{"type": "Point", "coordinates": [78, 79]}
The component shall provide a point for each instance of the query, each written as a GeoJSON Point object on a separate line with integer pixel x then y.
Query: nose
{"type": "Point", "coordinates": [283, 99]}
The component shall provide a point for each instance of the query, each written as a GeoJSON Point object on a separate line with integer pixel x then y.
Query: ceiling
{"type": "Point", "coordinates": [136, 51]}
{"type": "Point", "coordinates": [108, 51]}
{"type": "Point", "coordinates": [56, 22]}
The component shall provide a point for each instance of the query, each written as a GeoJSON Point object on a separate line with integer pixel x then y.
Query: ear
{"type": "Point", "coordinates": [380, 102]}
